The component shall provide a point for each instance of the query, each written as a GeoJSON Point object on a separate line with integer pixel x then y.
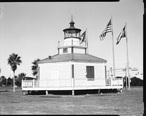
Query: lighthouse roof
{"type": "Point", "coordinates": [75, 57]}
{"type": "Point", "coordinates": [72, 27]}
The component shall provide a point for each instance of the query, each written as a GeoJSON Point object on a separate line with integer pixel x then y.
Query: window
{"type": "Point", "coordinates": [65, 50]}
{"type": "Point", "coordinates": [90, 72]}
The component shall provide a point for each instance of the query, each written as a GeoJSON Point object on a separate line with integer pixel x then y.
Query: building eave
{"type": "Point", "coordinates": [73, 57]}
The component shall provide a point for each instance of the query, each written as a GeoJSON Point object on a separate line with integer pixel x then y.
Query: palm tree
{"type": "Point", "coordinates": [35, 67]}
{"type": "Point", "coordinates": [19, 79]}
{"type": "Point", "coordinates": [13, 61]}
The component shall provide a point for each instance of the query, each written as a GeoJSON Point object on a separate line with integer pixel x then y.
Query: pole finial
{"type": "Point", "coordinates": [71, 18]}
{"type": "Point", "coordinates": [72, 23]}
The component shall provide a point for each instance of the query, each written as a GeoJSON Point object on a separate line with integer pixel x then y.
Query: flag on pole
{"type": "Point", "coordinates": [83, 36]}
{"type": "Point", "coordinates": [106, 30]}
{"type": "Point", "coordinates": [121, 35]}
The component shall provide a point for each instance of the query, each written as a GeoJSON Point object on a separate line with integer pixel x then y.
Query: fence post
{"type": "Point", "coordinates": [27, 83]}
{"type": "Point", "coordinates": [46, 84]}
{"type": "Point", "coordinates": [22, 83]}
{"type": "Point", "coordinates": [111, 82]}
{"type": "Point", "coordinates": [33, 83]}
{"type": "Point", "coordinates": [122, 82]}
{"type": "Point", "coordinates": [46, 92]}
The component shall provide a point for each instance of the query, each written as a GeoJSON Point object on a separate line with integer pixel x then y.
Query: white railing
{"type": "Point", "coordinates": [114, 82]}
{"type": "Point", "coordinates": [108, 81]}
{"type": "Point", "coordinates": [80, 82]}
{"type": "Point", "coordinates": [29, 83]}
{"type": "Point", "coordinates": [89, 82]}
{"type": "Point", "coordinates": [117, 82]}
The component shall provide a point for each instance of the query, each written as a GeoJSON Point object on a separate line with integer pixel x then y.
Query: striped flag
{"type": "Point", "coordinates": [83, 36]}
{"type": "Point", "coordinates": [106, 30]}
{"type": "Point", "coordinates": [121, 35]}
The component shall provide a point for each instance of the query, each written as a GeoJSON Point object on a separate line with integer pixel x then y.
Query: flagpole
{"type": "Point", "coordinates": [127, 56]}
{"type": "Point", "coordinates": [113, 50]}
{"type": "Point", "coordinates": [1, 28]}
{"type": "Point", "coordinates": [86, 41]}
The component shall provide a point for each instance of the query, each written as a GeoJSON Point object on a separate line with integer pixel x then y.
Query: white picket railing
{"type": "Point", "coordinates": [46, 83]}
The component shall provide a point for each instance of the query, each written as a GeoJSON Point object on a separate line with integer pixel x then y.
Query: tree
{"type": "Point", "coordinates": [2, 81]}
{"type": "Point", "coordinates": [136, 81]}
{"type": "Point", "coordinates": [19, 79]}
{"type": "Point", "coordinates": [13, 61]}
{"type": "Point", "coordinates": [35, 67]}
{"type": "Point", "coordinates": [9, 81]}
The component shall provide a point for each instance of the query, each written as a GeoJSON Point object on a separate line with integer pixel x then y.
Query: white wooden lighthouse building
{"type": "Point", "coordinates": [72, 68]}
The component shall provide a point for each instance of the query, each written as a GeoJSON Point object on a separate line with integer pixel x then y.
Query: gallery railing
{"type": "Point", "coordinates": [80, 82]}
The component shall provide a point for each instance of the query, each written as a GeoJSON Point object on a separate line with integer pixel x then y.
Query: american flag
{"type": "Point", "coordinates": [106, 30]}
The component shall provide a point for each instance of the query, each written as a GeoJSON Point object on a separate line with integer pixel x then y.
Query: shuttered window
{"type": "Point", "coordinates": [90, 72]}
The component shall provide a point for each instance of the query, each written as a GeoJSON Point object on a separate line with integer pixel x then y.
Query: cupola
{"type": "Point", "coordinates": [72, 41]}
{"type": "Point", "coordinates": [72, 32]}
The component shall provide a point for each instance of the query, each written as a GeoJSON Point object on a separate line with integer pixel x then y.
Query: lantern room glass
{"type": "Point", "coordinates": [68, 34]}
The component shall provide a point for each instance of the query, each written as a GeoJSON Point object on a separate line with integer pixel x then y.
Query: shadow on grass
{"type": "Point", "coordinates": [77, 92]}
{"type": "Point", "coordinates": [3, 90]}
{"type": "Point", "coordinates": [96, 91]}
{"type": "Point", "coordinates": [50, 92]}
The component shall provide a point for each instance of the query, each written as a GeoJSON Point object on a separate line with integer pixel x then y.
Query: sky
{"type": "Point", "coordinates": [32, 30]}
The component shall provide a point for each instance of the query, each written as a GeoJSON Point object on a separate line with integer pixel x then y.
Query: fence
{"type": "Point", "coordinates": [67, 83]}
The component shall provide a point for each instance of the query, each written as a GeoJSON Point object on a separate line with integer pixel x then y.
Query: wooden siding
{"type": "Point", "coordinates": [80, 74]}
{"type": "Point", "coordinates": [78, 50]}
{"type": "Point", "coordinates": [71, 41]}
{"type": "Point", "coordinates": [58, 74]}
{"type": "Point", "coordinates": [75, 50]}
{"type": "Point", "coordinates": [100, 71]}
{"type": "Point", "coordinates": [61, 51]}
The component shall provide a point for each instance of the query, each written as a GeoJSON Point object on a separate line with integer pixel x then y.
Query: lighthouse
{"type": "Point", "coordinates": [72, 68]}
{"type": "Point", "coordinates": [72, 41]}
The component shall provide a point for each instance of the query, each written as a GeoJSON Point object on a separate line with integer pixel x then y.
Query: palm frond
{"type": "Point", "coordinates": [13, 61]}
{"type": "Point", "coordinates": [35, 67]}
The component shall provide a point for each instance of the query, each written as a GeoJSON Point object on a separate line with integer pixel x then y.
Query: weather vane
{"type": "Point", "coordinates": [71, 18]}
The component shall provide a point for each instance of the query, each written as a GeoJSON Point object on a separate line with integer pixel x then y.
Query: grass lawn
{"type": "Point", "coordinates": [128, 103]}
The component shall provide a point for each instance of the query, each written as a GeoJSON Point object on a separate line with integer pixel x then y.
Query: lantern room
{"type": "Point", "coordinates": [72, 35]}
{"type": "Point", "coordinates": [72, 31]}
